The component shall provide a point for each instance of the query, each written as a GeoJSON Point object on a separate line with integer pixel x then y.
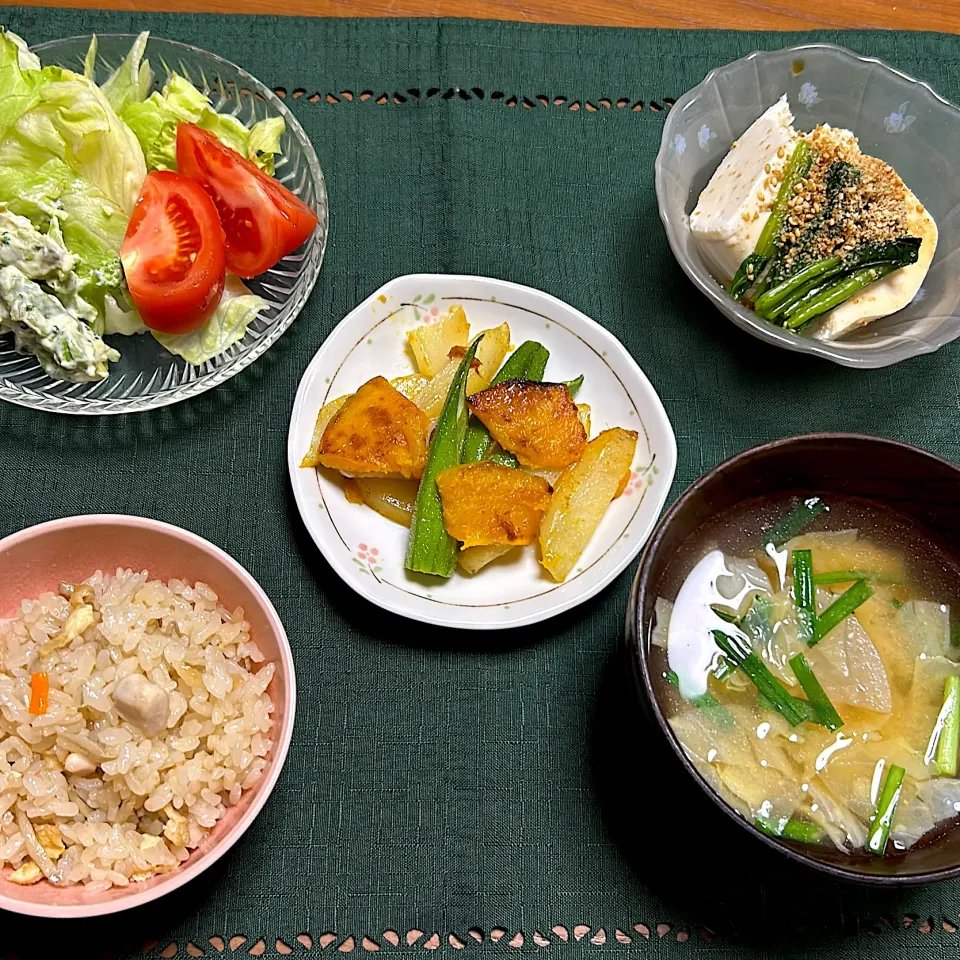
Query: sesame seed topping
{"type": "Point", "coordinates": [868, 204]}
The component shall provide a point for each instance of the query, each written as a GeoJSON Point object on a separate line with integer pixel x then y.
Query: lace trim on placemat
{"type": "Point", "coordinates": [420, 939]}
{"type": "Point", "coordinates": [476, 93]}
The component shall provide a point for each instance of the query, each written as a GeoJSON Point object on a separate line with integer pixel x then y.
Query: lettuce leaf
{"type": "Point", "coordinates": [90, 60]}
{"type": "Point", "coordinates": [92, 227]}
{"type": "Point", "coordinates": [73, 121]}
{"type": "Point", "coordinates": [27, 60]}
{"type": "Point", "coordinates": [238, 309]}
{"type": "Point", "coordinates": [20, 87]}
{"type": "Point", "coordinates": [156, 130]}
{"type": "Point", "coordinates": [132, 80]}
{"type": "Point", "coordinates": [264, 142]}
{"type": "Point", "coordinates": [154, 121]}
{"type": "Point", "coordinates": [120, 315]}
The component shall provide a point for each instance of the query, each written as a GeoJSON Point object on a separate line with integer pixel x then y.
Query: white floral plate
{"type": "Point", "coordinates": [367, 550]}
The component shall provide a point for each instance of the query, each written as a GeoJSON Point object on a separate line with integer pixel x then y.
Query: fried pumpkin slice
{"type": "Point", "coordinates": [409, 386]}
{"type": "Point", "coordinates": [377, 432]}
{"type": "Point", "coordinates": [485, 504]}
{"type": "Point", "coordinates": [581, 497]}
{"type": "Point", "coordinates": [327, 412]}
{"type": "Point", "coordinates": [537, 422]}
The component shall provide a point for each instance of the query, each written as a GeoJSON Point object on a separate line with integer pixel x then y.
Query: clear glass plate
{"type": "Point", "coordinates": [897, 118]}
{"type": "Point", "coordinates": [147, 376]}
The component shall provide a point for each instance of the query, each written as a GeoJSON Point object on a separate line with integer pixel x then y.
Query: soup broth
{"type": "Point", "coordinates": [810, 668]}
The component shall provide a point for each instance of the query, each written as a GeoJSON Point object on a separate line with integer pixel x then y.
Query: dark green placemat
{"type": "Point", "coordinates": [441, 782]}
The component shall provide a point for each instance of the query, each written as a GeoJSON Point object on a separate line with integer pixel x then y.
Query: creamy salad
{"type": "Point", "coordinates": [810, 232]}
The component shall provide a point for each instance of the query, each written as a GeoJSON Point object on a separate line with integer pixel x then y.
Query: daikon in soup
{"type": "Point", "coordinates": [811, 670]}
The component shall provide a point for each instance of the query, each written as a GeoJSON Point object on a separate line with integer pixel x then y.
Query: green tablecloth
{"type": "Point", "coordinates": [440, 781]}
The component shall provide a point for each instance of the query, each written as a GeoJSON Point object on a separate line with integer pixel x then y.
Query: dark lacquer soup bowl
{"type": "Point", "coordinates": [910, 490]}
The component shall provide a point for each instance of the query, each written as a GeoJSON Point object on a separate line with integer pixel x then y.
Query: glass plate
{"type": "Point", "coordinates": [147, 376]}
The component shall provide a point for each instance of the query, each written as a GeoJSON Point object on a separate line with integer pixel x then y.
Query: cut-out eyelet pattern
{"type": "Point", "coordinates": [412, 94]}
{"type": "Point", "coordinates": [475, 938]}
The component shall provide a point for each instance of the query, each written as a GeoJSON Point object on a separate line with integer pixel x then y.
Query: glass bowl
{"type": "Point", "coordinates": [147, 376]}
{"type": "Point", "coordinates": [896, 118]}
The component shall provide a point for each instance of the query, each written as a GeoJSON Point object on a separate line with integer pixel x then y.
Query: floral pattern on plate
{"type": "Point", "coordinates": [514, 590]}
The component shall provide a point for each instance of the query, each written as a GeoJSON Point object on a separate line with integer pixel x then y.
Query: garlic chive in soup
{"type": "Point", "coordinates": [811, 670]}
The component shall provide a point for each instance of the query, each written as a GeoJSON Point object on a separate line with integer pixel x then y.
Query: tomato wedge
{"type": "Point", "coordinates": [172, 254]}
{"type": "Point", "coordinates": [262, 220]}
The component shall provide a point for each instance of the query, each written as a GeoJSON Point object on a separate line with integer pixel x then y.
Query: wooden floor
{"type": "Point", "coordinates": [943, 15]}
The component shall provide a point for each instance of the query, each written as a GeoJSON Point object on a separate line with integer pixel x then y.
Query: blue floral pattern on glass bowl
{"type": "Point", "coordinates": [897, 118]}
{"type": "Point", "coordinates": [147, 376]}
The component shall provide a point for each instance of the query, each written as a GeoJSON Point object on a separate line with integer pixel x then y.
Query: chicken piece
{"type": "Point", "coordinates": [26, 875]}
{"type": "Point", "coordinates": [142, 703]}
{"type": "Point", "coordinates": [485, 504]}
{"type": "Point", "coordinates": [378, 432]}
{"type": "Point", "coordinates": [538, 422]}
{"type": "Point", "coordinates": [48, 836]}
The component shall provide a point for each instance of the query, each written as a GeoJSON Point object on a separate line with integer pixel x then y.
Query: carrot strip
{"type": "Point", "coordinates": [39, 694]}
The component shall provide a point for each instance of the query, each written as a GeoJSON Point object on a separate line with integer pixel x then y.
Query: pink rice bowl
{"type": "Point", "coordinates": [38, 559]}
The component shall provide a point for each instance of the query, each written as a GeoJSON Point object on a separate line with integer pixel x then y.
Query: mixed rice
{"type": "Point", "coordinates": [133, 713]}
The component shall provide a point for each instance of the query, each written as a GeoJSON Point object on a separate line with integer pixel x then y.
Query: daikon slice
{"type": "Point", "coordinates": [925, 626]}
{"type": "Point", "coordinates": [661, 623]}
{"type": "Point", "coordinates": [913, 723]}
{"type": "Point", "coordinates": [848, 665]}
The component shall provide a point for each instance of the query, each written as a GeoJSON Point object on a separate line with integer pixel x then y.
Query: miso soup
{"type": "Point", "coordinates": [811, 670]}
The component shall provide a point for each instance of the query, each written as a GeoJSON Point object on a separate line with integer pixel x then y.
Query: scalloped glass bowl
{"type": "Point", "coordinates": [897, 118]}
{"type": "Point", "coordinates": [147, 376]}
